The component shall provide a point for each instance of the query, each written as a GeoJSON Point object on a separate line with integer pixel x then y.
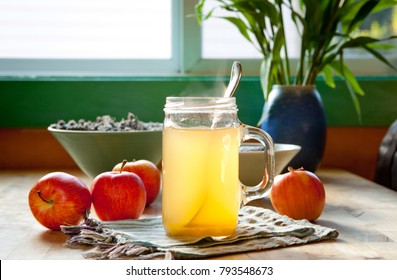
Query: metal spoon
{"type": "Point", "coordinates": [235, 77]}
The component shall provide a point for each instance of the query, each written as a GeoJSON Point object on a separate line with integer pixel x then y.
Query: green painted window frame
{"type": "Point", "coordinates": [38, 102]}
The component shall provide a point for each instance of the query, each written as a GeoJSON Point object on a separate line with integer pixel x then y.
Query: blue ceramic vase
{"type": "Point", "coordinates": [295, 115]}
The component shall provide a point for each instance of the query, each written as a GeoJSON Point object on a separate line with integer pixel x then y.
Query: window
{"type": "Point", "coordinates": [220, 39]}
{"type": "Point", "coordinates": [133, 37]}
{"type": "Point", "coordinates": [101, 36]}
{"type": "Point", "coordinates": [88, 29]}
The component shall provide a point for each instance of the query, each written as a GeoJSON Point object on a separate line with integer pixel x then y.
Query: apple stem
{"type": "Point", "coordinates": [42, 198]}
{"type": "Point", "coordinates": [122, 165]}
{"type": "Point", "coordinates": [290, 169]}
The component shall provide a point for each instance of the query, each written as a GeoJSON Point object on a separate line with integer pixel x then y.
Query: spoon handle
{"type": "Point", "coordinates": [235, 77]}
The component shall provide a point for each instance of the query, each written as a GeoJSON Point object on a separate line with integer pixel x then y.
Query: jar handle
{"type": "Point", "coordinates": [261, 190]}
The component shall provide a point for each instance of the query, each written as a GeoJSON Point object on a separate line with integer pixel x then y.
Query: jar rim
{"type": "Point", "coordinates": [198, 103]}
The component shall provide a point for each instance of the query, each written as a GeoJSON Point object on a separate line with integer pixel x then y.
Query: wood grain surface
{"type": "Point", "coordinates": [364, 213]}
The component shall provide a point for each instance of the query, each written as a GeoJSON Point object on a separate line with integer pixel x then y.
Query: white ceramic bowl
{"type": "Point", "coordinates": [99, 151]}
{"type": "Point", "coordinates": [252, 161]}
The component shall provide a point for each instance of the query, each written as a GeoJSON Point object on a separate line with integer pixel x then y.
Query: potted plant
{"type": "Point", "coordinates": [293, 111]}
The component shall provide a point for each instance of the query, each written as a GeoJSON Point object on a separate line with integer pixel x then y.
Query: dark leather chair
{"type": "Point", "coordinates": [386, 166]}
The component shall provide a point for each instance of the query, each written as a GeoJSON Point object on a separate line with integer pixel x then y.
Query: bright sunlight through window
{"type": "Point", "coordinates": [88, 29]}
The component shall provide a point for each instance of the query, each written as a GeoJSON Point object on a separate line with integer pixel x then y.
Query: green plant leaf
{"type": "Point", "coordinates": [240, 24]}
{"type": "Point", "coordinates": [331, 48]}
{"type": "Point", "coordinates": [277, 63]}
{"type": "Point", "coordinates": [358, 42]}
{"type": "Point", "coordinates": [254, 20]}
{"type": "Point", "coordinates": [200, 16]}
{"type": "Point", "coordinates": [279, 42]}
{"type": "Point", "coordinates": [314, 20]}
{"type": "Point", "coordinates": [328, 76]}
{"type": "Point", "coordinates": [266, 9]}
{"type": "Point", "coordinates": [328, 59]}
{"type": "Point", "coordinates": [351, 84]}
{"type": "Point", "coordinates": [351, 79]}
{"type": "Point", "coordinates": [348, 11]}
{"type": "Point", "coordinates": [362, 13]}
{"type": "Point", "coordinates": [356, 101]}
{"type": "Point", "coordinates": [385, 4]}
{"type": "Point", "coordinates": [345, 72]}
{"type": "Point", "coordinates": [199, 11]}
{"type": "Point", "coordinates": [379, 56]}
{"type": "Point", "coordinates": [298, 19]}
{"type": "Point", "coordinates": [381, 46]}
{"type": "Point", "coordinates": [265, 75]}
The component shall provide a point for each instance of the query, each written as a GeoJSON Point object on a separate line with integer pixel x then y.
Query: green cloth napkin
{"type": "Point", "coordinates": [257, 229]}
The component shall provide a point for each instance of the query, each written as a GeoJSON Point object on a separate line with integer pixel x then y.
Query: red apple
{"type": "Point", "coordinates": [118, 195]}
{"type": "Point", "coordinates": [149, 174]}
{"type": "Point", "coordinates": [299, 194]}
{"type": "Point", "coordinates": [59, 199]}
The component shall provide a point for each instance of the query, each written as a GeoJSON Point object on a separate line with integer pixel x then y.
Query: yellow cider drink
{"type": "Point", "coordinates": [201, 189]}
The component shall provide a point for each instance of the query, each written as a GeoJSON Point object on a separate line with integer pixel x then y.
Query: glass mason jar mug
{"type": "Point", "coordinates": [201, 192]}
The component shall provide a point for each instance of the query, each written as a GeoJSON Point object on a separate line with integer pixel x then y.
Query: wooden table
{"type": "Point", "coordinates": [364, 213]}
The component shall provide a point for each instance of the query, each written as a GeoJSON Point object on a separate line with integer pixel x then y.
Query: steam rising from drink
{"type": "Point", "coordinates": [215, 87]}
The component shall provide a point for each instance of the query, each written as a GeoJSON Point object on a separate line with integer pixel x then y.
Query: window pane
{"type": "Point", "coordinates": [88, 29]}
{"type": "Point", "coordinates": [220, 39]}
{"type": "Point", "coordinates": [223, 40]}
